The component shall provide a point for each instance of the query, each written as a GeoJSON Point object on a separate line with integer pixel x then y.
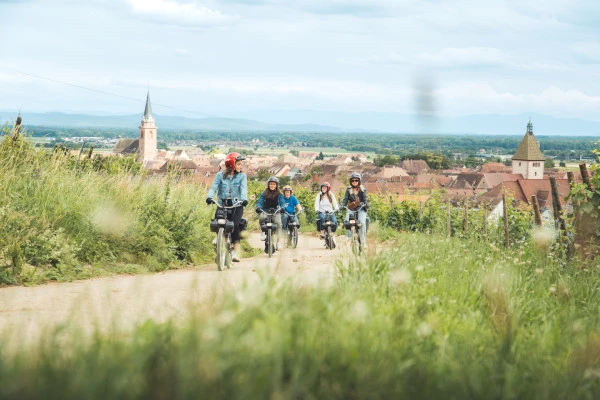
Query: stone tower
{"type": "Point", "coordinates": [147, 139]}
{"type": "Point", "coordinates": [528, 159]}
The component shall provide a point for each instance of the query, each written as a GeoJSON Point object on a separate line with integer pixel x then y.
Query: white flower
{"type": "Point", "coordinates": [424, 330]}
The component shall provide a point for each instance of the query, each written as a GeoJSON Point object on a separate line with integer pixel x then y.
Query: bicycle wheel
{"type": "Point", "coordinates": [355, 243]}
{"type": "Point", "coordinates": [269, 244]}
{"type": "Point", "coordinates": [330, 242]}
{"type": "Point", "coordinates": [221, 249]}
{"type": "Point", "coordinates": [294, 237]}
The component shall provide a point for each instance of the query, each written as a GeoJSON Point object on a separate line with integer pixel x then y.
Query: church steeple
{"type": "Point", "coordinates": [528, 159]}
{"type": "Point", "coordinates": [148, 136]}
{"type": "Point", "coordinates": [148, 110]}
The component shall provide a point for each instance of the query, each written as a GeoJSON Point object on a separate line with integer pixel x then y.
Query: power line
{"type": "Point", "coordinates": [104, 92]}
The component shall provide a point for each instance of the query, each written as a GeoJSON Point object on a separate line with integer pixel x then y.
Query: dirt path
{"type": "Point", "coordinates": [124, 301]}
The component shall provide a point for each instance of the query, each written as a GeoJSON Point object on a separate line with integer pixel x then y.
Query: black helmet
{"type": "Point", "coordinates": [356, 175]}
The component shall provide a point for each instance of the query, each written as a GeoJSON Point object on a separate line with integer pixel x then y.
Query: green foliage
{"type": "Point", "coordinates": [429, 318]}
{"type": "Point", "coordinates": [57, 214]}
{"type": "Point", "coordinates": [549, 163]}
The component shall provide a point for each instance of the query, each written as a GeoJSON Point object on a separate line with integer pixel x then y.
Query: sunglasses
{"type": "Point", "coordinates": [354, 180]}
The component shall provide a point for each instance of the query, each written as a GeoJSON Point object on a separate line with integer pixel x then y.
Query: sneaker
{"type": "Point", "coordinates": [278, 246]}
{"type": "Point", "coordinates": [322, 236]}
{"type": "Point", "coordinates": [334, 241]}
{"type": "Point", "coordinates": [235, 257]}
{"type": "Point", "coordinates": [263, 236]}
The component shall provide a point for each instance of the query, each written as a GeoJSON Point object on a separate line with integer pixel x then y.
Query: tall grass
{"type": "Point", "coordinates": [67, 220]}
{"type": "Point", "coordinates": [432, 318]}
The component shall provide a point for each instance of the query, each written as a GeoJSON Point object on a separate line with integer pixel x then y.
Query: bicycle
{"type": "Point", "coordinates": [268, 226]}
{"type": "Point", "coordinates": [223, 226]}
{"type": "Point", "coordinates": [292, 229]}
{"type": "Point", "coordinates": [355, 227]}
{"type": "Point", "coordinates": [327, 225]}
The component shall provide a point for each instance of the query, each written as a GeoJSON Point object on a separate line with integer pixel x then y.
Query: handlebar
{"type": "Point", "coordinates": [277, 211]}
{"type": "Point", "coordinates": [236, 203]}
{"type": "Point", "coordinates": [360, 207]}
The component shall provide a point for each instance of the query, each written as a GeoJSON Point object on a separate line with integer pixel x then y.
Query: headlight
{"type": "Point", "coordinates": [221, 221]}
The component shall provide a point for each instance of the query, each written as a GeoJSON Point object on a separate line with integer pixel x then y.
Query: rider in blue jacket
{"type": "Point", "coordinates": [230, 185]}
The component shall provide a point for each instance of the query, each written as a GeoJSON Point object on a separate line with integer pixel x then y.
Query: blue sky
{"type": "Point", "coordinates": [255, 58]}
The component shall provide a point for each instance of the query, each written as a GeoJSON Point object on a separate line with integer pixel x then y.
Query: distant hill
{"type": "Point", "coordinates": [162, 121]}
{"type": "Point", "coordinates": [323, 121]}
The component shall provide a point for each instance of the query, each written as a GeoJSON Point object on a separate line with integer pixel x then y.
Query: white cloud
{"type": "Point", "coordinates": [471, 57]}
{"type": "Point", "coordinates": [181, 14]}
{"type": "Point", "coordinates": [587, 53]}
{"type": "Point", "coordinates": [457, 99]}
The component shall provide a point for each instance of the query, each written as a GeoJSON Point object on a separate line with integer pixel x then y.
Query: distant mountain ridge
{"type": "Point", "coordinates": [324, 121]}
{"type": "Point", "coordinates": [162, 121]}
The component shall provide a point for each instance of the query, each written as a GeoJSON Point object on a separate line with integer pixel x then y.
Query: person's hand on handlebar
{"type": "Point", "coordinates": [244, 203]}
{"type": "Point", "coordinates": [259, 210]}
{"type": "Point", "coordinates": [210, 200]}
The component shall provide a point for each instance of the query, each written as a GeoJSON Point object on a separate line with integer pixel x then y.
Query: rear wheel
{"type": "Point", "coordinates": [294, 237]}
{"type": "Point", "coordinates": [221, 249]}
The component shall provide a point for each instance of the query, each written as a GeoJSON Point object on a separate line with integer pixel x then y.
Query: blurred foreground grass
{"type": "Point", "coordinates": [432, 318]}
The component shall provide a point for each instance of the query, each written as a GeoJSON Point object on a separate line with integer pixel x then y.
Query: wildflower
{"type": "Point", "coordinates": [424, 330]}
{"type": "Point", "coordinates": [419, 268]}
{"type": "Point", "coordinates": [400, 277]}
{"type": "Point", "coordinates": [552, 289]}
{"type": "Point", "coordinates": [538, 271]}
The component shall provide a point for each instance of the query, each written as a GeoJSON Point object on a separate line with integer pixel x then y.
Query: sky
{"type": "Point", "coordinates": [265, 59]}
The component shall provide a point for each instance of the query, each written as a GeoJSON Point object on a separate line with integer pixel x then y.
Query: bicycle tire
{"type": "Point", "coordinates": [221, 249]}
{"type": "Point", "coordinates": [355, 244]}
{"type": "Point", "coordinates": [329, 236]}
{"type": "Point", "coordinates": [269, 244]}
{"type": "Point", "coordinates": [294, 237]}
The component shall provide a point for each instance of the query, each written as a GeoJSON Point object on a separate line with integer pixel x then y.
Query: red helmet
{"type": "Point", "coordinates": [231, 158]}
{"type": "Point", "coordinates": [327, 185]}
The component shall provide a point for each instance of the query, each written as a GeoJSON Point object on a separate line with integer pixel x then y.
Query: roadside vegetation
{"type": "Point", "coordinates": [431, 317]}
{"type": "Point", "coordinates": [65, 216]}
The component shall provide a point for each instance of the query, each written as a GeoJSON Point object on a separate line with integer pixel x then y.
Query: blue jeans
{"type": "Point", "coordinates": [284, 220]}
{"type": "Point", "coordinates": [333, 219]}
{"type": "Point", "coordinates": [362, 218]}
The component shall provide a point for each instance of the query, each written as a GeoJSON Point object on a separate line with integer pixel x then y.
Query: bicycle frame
{"type": "Point", "coordinates": [223, 226]}
{"type": "Point", "coordinates": [355, 227]}
{"type": "Point", "coordinates": [268, 226]}
{"type": "Point", "coordinates": [292, 229]}
{"type": "Point", "coordinates": [327, 225]}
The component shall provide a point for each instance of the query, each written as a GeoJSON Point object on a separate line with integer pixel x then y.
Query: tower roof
{"type": "Point", "coordinates": [148, 110]}
{"type": "Point", "coordinates": [529, 150]}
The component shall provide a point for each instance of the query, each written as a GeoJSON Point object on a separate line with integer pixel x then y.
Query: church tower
{"type": "Point", "coordinates": [528, 159]}
{"type": "Point", "coordinates": [147, 144]}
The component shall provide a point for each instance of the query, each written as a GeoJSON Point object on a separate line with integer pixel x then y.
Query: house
{"type": "Point", "coordinates": [414, 167]}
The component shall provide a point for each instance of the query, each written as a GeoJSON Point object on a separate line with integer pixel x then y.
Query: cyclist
{"type": "Point", "coordinates": [270, 198]}
{"type": "Point", "coordinates": [231, 184]}
{"type": "Point", "coordinates": [325, 201]}
{"type": "Point", "coordinates": [354, 196]}
{"type": "Point", "coordinates": [292, 205]}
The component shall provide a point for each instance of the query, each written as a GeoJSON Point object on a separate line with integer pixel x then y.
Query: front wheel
{"type": "Point", "coordinates": [355, 244]}
{"type": "Point", "coordinates": [294, 237]}
{"type": "Point", "coordinates": [329, 239]}
{"type": "Point", "coordinates": [269, 244]}
{"type": "Point", "coordinates": [221, 249]}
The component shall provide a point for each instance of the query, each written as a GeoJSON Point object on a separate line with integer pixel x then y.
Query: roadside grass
{"type": "Point", "coordinates": [430, 318]}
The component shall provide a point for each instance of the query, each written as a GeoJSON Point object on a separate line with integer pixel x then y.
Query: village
{"type": "Point", "coordinates": [411, 180]}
